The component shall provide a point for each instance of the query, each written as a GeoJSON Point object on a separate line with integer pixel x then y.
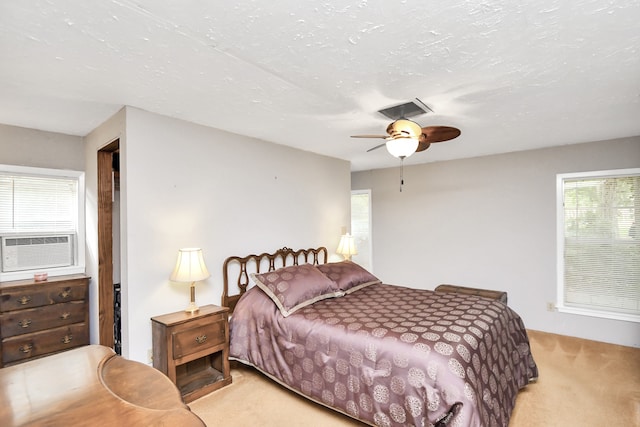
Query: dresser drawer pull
{"type": "Point", "coordinates": [201, 339]}
{"type": "Point", "coordinates": [25, 323]}
{"type": "Point", "coordinates": [65, 316]}
{"type": "Point", "coordinates": [24, 300]}
{"type": "Point", "coordinates": [26, 348]}
{"type": "Point", "coordinates": [65, 294]}
{"type": "Point", "coordinates": [67, 339]}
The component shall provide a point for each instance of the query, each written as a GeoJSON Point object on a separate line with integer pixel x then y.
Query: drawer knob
{"type": "Point", "coordinates": [65, 316]}
{"type": "Point", "coordinates": [24, 300]}
{"type": "Point", "coordinates": [201, 339]}
{"type": "Point", "coordinates": [67, 339]}
{"type": "Point", "coordinates": [65, 294]}
{"type": "Point", "coordinates": [26, 348]}
{"type": "Point", "coordinates": [25, 323]}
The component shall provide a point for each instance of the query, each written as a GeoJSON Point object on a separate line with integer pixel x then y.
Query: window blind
{"type": "Point", "coordinates": [38, 204]}
{"type": "Point", "coordinates": [361, 226]}
{"type": "Point", "coordinates": [601, 251]}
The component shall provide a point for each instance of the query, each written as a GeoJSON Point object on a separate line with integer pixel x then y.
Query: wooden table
{"type": "Point", "coordinates": [90, 385]}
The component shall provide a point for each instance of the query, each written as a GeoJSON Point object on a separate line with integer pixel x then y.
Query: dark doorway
{"type": "Point", "coordinates": [108, 188]}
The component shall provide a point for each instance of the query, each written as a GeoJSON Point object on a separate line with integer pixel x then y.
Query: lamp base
{"type": "Point", "coordinates": [192, 308]}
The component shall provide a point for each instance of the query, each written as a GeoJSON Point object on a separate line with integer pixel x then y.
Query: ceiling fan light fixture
{"type": "Point", "coordinates": [404, 128]}
{"type": "Point", "coordinates": [406, 137]}
{"type": "Point", "coordinates": [402, 147]}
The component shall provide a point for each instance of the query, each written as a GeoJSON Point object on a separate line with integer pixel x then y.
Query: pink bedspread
{"type": "Point", "coordinates": [390, 355]}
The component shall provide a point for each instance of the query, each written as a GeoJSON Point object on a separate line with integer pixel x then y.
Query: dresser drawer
{"type": "Point", "coordinates": [192, 340]}
{"type": "Point", "coordinates": [38, 319]}
{"type": "Point", "coordinates": [38, 343]}
{"type": "Point", "coordinates": [38, 295]}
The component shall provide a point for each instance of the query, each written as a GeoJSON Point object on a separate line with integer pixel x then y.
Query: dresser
{"type": "Point", "coordinates": [192, 349]}
{"type": "Point", "coordinates": [42, 318]}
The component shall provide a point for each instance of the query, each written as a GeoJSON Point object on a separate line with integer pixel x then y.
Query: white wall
{"type": "Point", "coordinates": [489, 222]}
{"type": "Point", "coordinates": [30, 147]}
{"type": "Point", "coordinates": [185, 185]}
{"type": "Point", "coordinates": [35, 148]}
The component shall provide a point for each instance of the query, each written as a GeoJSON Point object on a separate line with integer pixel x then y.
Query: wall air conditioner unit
{"type": "Point", "coordinates": [37, 252]}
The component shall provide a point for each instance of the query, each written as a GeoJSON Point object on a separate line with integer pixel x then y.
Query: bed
{"type": "Point", "coordinates": [383, 354]}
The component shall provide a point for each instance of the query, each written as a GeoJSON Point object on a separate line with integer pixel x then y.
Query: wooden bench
{"type": "Point", "coordinates": [485, 293]}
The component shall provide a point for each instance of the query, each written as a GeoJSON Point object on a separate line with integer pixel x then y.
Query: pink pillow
{"type": "Point", "coordinates": [348, 275]}
{"type": "Point", "coordinates": [294, 287]}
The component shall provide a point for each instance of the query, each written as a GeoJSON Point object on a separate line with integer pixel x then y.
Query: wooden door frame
{"type": "Point", "coordinates": [105, 244]}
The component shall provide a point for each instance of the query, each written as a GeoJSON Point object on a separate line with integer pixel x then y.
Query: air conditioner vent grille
{"type": "Point", "coordinates": [36, 252]}
{"type": "Point", "coordinates": [405, 111]}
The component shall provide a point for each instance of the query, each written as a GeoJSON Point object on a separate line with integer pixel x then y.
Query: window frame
{"type": "Point", "coordinates": [79, 244]}
{"type": "Point", "coordinates": [560, 233]}
{"type": "Point", "coordinates": [365, 252]}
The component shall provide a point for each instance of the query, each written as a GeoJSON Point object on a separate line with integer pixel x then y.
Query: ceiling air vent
{"type": "Point", "coordinates": [406, 110]}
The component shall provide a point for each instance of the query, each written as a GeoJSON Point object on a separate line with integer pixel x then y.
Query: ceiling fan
{"type": "Point", "coordinates": [406, 137]}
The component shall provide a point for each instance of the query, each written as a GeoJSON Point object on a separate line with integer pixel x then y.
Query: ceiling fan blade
{"type": "Point", "coordinates": [422, 145]}
{"type": "Point", "coordinates": [377, 146]}
{"type": "Point", "coordinates": [370, 136]}
{"type": "Point", "coordinates": [406, 128]}
{"type": "Point", "coordinates": [439, 133]}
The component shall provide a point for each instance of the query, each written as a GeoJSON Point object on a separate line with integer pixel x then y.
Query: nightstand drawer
{"type": "Point", "coordinates": [39, 343]}
{"type": "Point", "coordinates": [199, 338]}
{"type": "Point", "coordinates": [38, 319]}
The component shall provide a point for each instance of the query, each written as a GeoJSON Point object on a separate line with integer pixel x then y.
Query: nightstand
{"type": "Point", "coordinates": [193, 349]}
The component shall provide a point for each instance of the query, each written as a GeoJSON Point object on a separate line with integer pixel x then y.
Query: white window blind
{"type": "Point", "coordinates": [361, 226]}
{"type": "Point", "coordinates": [31, 204]}
{"type": "Point", "coordinates": [600, 243]}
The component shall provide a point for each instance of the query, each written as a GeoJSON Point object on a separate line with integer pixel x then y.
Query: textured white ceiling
{"type": "Point", "coordinates": [512, 75]}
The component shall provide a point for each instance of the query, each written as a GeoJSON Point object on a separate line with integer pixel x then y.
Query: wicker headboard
{"type": "Point", "coordinates": [236, 269]}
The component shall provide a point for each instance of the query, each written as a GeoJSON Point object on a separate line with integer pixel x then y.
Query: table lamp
{"type": "Point", "coordinates": [347, 246]}
{"type": "Point", "coordinates": [190, 268]}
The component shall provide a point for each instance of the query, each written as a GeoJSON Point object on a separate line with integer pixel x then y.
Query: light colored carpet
{"type": "Point", "coordinates": [582, 383]}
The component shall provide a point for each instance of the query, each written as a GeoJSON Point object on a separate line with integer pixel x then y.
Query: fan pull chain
{"type": "Point", "coordinates": [401, 173]}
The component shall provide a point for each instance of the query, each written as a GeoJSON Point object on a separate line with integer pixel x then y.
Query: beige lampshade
{"type": "Point", "coordinates": [190, 266]}
{"type": "Point", "coordinates": [347, 246]}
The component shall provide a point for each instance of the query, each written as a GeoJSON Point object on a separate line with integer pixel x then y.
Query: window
{"type": "Point", "coordinates": [41, 222]}
{"type": "Point", "coordinates": [599, 244]}
{"type": "Point", "coordinates": [361, 226]}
